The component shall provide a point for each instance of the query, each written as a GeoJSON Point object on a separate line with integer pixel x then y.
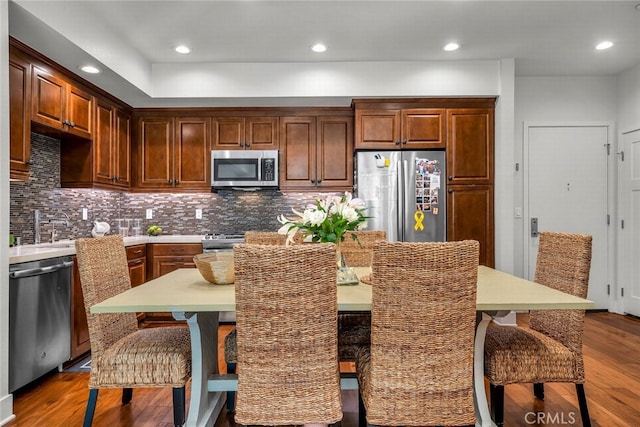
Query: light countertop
{"type": "Point", "coordinates": [26, 253]}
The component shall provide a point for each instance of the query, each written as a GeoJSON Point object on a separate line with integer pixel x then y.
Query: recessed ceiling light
{"type": "Point", "coordinates": [318, 47]}
{"type": "Point", "coordinates": [604, 45]}
{"type": "Point", "coordinates": [183, 49]}
{"type": "Point", "coordinates": [90, 69]}
{"type": "Point", "coordinates": [449, 47]}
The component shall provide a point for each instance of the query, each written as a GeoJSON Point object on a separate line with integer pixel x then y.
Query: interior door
{"type": "Point", "coordinates": [629, 225]}
{"type": "Point", "coordinates": [566, 190]}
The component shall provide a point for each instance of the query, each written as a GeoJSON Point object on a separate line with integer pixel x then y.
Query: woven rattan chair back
{"type": "Point", "coordinates": [563, 263]}
{"type": "Point", "coordinates": [286, 314]}
{"type": "Point", "coordinates": [358, 253]}
{"type": "Point", "coordinates": [103, 269]}
{"type": "Point", "coordinates": [264, 238]}
{"type": "Point", "coordinates": [420, 367]}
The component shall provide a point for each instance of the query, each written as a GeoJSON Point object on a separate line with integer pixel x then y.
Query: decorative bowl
{"type": "Point", "coordinates": [216, 268]}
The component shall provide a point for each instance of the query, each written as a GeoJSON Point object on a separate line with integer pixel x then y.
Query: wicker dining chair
{"type": "Point", "coordinates": [286, 315]}
{"type": "Point", "coordinates": [123, 356]}
{"type": "Point", "coordinates": [550, 349]}
{"type": "Point", "coordinates": [354, 329]}
{"type": "Point", "coordinates": [419, 368]}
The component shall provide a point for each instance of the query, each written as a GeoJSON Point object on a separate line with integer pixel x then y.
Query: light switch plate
{"type": "Point", "coordinates": [85, 213]}
{"type": "Point", "coordinates": [198, 213]}
{"type": "Point", "coordinates": [149, 213]}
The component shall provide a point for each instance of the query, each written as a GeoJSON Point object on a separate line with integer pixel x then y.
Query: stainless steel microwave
{"type": "Point", "coordinates": [244, 168]}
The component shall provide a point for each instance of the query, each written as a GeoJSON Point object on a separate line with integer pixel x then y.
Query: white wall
{"type": "Point", "coordinates": [556, 100]}
{"type": "Point", "coordinates": [629, 99]}
{"type": "Point", "coordinates": [6, 400]}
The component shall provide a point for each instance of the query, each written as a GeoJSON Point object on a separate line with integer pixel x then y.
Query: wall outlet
{"type": "Point", "coordinates": [518, 213]}
{"type": "Point", "coordinates": [85, 214]}
{"type": "Point", "coordinates": [149, 213]}
{"type": "Point", "coordinates": [198, 213]}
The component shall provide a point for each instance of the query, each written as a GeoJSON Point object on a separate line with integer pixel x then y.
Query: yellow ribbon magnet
{"type": "Point", "coordinates": [418, 216]}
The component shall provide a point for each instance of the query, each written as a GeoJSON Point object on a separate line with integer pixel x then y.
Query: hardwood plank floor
{"type": "Point", "coordinates": [612, 363]}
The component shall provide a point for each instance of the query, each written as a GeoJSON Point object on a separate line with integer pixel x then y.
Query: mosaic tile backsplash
{"type": "Point", "coordinates": [224, 212]}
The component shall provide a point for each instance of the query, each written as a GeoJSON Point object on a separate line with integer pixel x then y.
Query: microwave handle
{"type": "Point", "coordinates": [259, 168]}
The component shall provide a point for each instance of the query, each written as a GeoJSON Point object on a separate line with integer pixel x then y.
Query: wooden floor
{"type": "Point", "coordinates": [612, 363]}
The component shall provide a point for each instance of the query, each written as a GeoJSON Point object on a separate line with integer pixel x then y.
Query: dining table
{"type": "Point", "coordinates": [191, 298]}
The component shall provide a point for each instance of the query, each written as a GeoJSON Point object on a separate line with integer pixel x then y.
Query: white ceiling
{"type": "Point", "coordinates": [545, 38]}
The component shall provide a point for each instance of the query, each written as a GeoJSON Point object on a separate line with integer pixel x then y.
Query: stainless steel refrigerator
{"type": "Point", "coordinates": [405, 193]}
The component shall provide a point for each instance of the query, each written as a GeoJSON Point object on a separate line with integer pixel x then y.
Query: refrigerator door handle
{"type": "Point", "coordinates": [399, 207]}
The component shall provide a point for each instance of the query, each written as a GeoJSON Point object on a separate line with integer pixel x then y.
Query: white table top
{"type": "Point", "coordinates": [185, 290]}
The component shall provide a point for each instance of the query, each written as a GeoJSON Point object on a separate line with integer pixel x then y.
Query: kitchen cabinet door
{"type": "Point", "coordinates": [470, 216]}
{"type": "Point", "coordinates": [334, 152]}
{"type": "Point", "coordinates": [103, 144]}
{"type": "Point", "coordinates": [470, 145]}
{"type": "Point", "coordinates": [423, 128]}
{"type": "Point", "coordinates": [240, 133]}
{"type": "Point", "coordinates": [298, 153]}
{"type": "Point", "coordinates": [192, 153]}
{"type": "Point", "coordinates": [60, 105]}
{"type": "Point", "coordinates": [155, 151]}
{"type": "Point", "coordinates": [122, 148]}
{"type": "Point", "coordinates": [80, 343]}
{"type": "Point", "coordinates": [378, 129]}
{"type": "Point", "coordinates": [136, 258]}
{"type": "Point", "coordinates": [19, 116]}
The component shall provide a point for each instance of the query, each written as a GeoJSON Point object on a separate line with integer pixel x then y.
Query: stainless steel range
{"type": "Point", "coordinates": [221, 241]}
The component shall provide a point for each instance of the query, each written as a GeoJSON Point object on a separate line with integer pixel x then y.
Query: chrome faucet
{"type": "Point", "coordinates": [38, 221]}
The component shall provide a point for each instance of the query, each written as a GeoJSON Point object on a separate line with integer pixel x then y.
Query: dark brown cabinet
{"type": "Point", "coordinates": [470, 146]}
{"type": "Point", "coordinates": [316, 152]}
{"type": "Point", "coordinates": [395, 129]}
{"type": "Point", "coordinates": [112, 146]}
{"type": "Point", "coordinates": [173, 153]}
{"type": "Point", "coordinates": [470, 216]}
{"type": "Point", "coordinates": [137, 260]}
{"type": "Point", "coordinates": [60, 105]}
{"type": "Point", "coordinates": [245, 133]}
{"type": "Point", "coordinates": [19, 115]}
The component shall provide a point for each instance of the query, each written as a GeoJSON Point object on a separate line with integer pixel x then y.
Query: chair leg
{"type": "Point", "coordinates": [91, 407]}
{"type": "Point", "coordinates": [582, 401]}
{"type": "Point", "coordinates": [362, 412]}
{"type": "Point", "coordinates": [497, 403]}
{"type": "Point", "coordinates": [231, 395]}
{"type": "Point", "coordinates": [538, 390]}
{"type": "Point", "coordinates": [127, 394]}
{"type": "Point", "coordinates": [179, 404]}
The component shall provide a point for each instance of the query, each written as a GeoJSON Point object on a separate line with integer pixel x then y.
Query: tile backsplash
{"type": "Point", "coordinates": [226, 211]}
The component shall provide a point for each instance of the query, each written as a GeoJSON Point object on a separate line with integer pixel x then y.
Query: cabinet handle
{"type": "Point", "coordinates": [450, 178]}
{"type": "Point", "coordinates": [450, 191]}
{"type": "Point", "coordinates": [247, 144]}
{"type": "Point", "coordinates": [72, 124]}
{"type": "Point", "coordinates": [29, 162]}
{"type": "Point", "coordinates": [398, 142]}
{"type": "Point", "coordinates": [136, 261]}
{"type": "Point", "coordinates": [177, 249]}
{"type": "Point", "coordinates": [241, 144]}
{"type": "Point", "coordinates": [319, 181]}
{"type": "Point", "coordinates": [404, 141]}
{"type": "Point", "coordinates": [176, 182]}
{"type": "Point", "coordinates": [170, 181]}
{"type": "Point", "coordinates": [313, 181]}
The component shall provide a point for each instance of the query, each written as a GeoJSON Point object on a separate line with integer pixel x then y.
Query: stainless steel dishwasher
{"type": "Point", "coordinates": [39, 318]}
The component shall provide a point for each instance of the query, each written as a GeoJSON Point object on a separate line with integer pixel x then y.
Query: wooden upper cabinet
{"type": "Point", "coordinates": [58, 104]}
{"type": "Point", "coordinates": [174, 153]}
{"type": "Point", "coordinates": [245, 133]}
{"type": "Point", "coordinates": [470, 145]}
{"type": "Point", "coordinates": [378, 129]}
{"type": "Point", "coordinates": [19, 116]}
{"type": "Point", "coordinates": [192, 153]}
{"type": "Point", "coordinates": [316, 152]}
{"type": "Point", "coordinates": [423, 128]}
{"type": "Point", "coordinates": [394, 129]}
{"type": "Point", "coordinates": [112, 146]}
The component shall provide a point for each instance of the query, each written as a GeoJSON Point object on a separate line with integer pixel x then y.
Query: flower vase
{"type": "Point", "coordinates": [345, 275]}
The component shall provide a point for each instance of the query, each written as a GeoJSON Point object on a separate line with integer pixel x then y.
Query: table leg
{"type": "Point", "coordinates": [204, 406]}
{"type": "Point", "coordinates": [483, 418]}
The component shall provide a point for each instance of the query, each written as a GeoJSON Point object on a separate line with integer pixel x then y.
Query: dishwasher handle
{"type": "Point", "coordinates": [39, 270]}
